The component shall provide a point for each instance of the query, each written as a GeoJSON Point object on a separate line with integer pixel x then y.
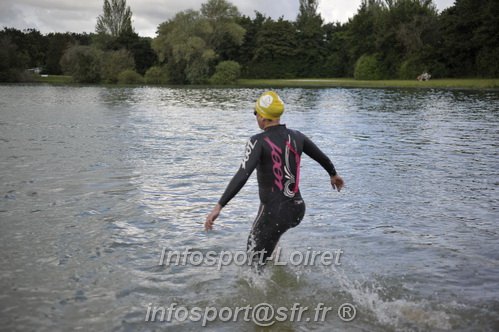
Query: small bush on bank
{"type": "Point", "coordinates": [130, 76]}
{"type": "Point", "coordinates": [157, 75]}
{"type": "Point", "coordinates": [226, 72]}
{"type": "Point", "coordinates": [369, 67]}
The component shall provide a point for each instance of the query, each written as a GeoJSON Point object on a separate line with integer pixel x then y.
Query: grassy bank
{"type": "Point", "coordinates": [433, 83]}
{"type": "Point", "coordinates": [53, 79]}
{"type": "Point", "coordinates": [347, 82]}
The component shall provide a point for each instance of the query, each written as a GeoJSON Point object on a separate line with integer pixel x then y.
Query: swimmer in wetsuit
{"type": "Point", "coordinates": [275, 154]}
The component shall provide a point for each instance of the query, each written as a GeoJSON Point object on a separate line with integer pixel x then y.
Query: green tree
{"type": "Point", "coordinates": [116, 19]}
{"type": "Point", "coordinates": [470, 38]}
{"type": "Point", "coordinates": [337, 63]}
{"type": "Point", "coordinates": [244, 53]}
{"type": "Point", "coordinates": [82, 63]}
{"type": "Point", "coordinates": [35, 45]}
{"type": "Point", "coordinates": [12, 63]}
{"type": "Point", "coordinates": [401, 29]}
{"type": "Point", "coordinates": [58, 43]}
{"type": "Point", "coordinates": [30, 44]}
{"type": "Point", "coordinates": [114, 28]}
{"type": "Point", "coordinates": [143, 54]}
{"type": "Point", "coordinates": [275, 51]}
{"type": "Point", "coordinates": [180, 44]}
{"type": "Point", "coordinates": [83, 39]}
{"type": "Point", "coordinates": [115, 32]}
{"type": "Point", "coordinates": [359, 37]}
{"type": "Point", "coordinates": [21, 50]}
{"type": "Point", "coordinates": [402, 33]}
{"type": "Point", "coordinates": [113, 63]}
{"type": "Point", "coordinates": [276, 41]}
{"type": "Point", "coordinates": [188, 42]}
{"type": "Point", "coordinates": [310, 39]}
{"type": "Point", "coordinates": [221, 16]}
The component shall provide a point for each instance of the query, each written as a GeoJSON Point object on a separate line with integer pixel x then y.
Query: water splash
{"type": "Point", "coordinates": [369, 296]}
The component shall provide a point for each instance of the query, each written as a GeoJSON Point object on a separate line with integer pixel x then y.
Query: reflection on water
{"type": "Point", "coordinates": [97, 182]}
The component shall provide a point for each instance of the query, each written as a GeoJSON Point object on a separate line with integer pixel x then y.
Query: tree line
{"type": "Point", "coordinates": [385, 39]}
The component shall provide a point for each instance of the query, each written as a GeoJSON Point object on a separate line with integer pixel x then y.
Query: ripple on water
{"type": "Point", "coordinates": [98, 181]}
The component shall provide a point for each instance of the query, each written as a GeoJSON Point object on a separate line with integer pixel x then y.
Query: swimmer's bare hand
{"type": "Point", "coordinates": [337, 182]}
{"type": "Point", "coordinates": [210, 220]}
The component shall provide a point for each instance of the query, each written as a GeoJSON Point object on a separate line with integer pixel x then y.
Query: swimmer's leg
{"type": "Point", "coordinates": [262, 239]}
{"type": "Point", "coordinates": [272, 221]}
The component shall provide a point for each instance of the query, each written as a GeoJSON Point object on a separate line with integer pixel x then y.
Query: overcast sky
{"type": "Point", "coordinates": [81, 15]}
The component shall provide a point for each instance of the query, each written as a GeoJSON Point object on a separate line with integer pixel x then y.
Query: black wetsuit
{"type": "Point", "coordinates": [276, 154]}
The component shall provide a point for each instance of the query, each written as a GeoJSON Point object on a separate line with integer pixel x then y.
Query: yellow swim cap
{"type": "Point", "coordinates": [269, 106]}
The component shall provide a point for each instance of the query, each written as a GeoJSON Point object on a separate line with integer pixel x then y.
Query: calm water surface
{"type": "Point", "coordinates": [97, 182]}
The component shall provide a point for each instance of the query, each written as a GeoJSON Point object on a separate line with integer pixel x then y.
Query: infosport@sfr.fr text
{"type": "Point", "coordinates": [262, 314]}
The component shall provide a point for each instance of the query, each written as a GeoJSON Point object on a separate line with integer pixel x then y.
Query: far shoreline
{"type": "Point", "coordinates": [482, 84]}
{"type": "Point", "coordinates": [457, 83]}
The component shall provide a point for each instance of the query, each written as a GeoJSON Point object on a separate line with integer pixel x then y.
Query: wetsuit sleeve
{"type": "Point", "coordinates": [316, 154]}
{"type": "Point", "coordinates": [248, 165]}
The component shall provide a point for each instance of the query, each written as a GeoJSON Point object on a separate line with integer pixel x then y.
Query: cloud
{"type": "Point", "coordinates": [11, 16]}
{"type": "Point", "coordinates": [50, 15]}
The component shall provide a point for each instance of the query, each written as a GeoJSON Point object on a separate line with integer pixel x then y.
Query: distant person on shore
{"type": "Point", "coordinates": [424, 77]}
{"type": "Point", "coordinates": [276, 154]}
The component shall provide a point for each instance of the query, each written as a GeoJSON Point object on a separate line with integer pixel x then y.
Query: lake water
{"type": "Point", "coordinates": [100, 184]}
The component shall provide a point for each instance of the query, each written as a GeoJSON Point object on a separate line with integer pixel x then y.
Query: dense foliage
{"type": "Point", "coordinates": [188, 42]}
{"type": "Point", "coordinates": [384, 39]}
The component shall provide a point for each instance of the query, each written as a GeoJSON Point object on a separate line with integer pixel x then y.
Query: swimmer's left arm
{"type": "Point", "coordinates": [315, 153]}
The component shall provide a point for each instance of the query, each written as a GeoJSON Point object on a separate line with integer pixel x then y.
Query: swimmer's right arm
{"type": "Point", "coordinates": [337, 182]}
{"type": "Point", "coordinates": [210, 220]}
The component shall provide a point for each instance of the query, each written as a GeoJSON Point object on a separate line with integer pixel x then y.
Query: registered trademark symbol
{"type": "Point", "coordinates": [347, 312]}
